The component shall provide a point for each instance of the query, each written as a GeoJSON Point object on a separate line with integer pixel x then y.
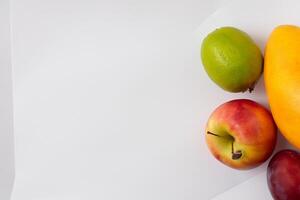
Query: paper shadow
{"type": "Point", "coordinates": [6, 106]}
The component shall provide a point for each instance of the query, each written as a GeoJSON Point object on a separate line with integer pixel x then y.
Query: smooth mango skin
{"type": "Point", "coordinates": [231, 59]}
{"type": "Point", "coordinates": [282, 80]}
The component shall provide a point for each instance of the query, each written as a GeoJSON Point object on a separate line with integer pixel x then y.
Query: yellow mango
{"type": "Point", "coordinates": [282, 80]}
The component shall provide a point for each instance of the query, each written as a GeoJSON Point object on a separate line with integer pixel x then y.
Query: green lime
{"type": "Point", "coordinates": [231, 59]}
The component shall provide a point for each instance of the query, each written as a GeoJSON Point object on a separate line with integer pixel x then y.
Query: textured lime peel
{"type": "Point", "coordinates": [231, 59]}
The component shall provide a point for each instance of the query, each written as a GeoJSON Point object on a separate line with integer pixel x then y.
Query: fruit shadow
{"type": "Point", "coordinates": [282, 143]}
{"type": "Point", "coordinates": [260, 40]}
{"type": "Point", "coordinates": [260, 86]}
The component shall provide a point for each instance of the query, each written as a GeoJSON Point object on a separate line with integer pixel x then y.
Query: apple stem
{"type": "Point", "coordinates": [208, 132]}
{"type": "Point", "coordinates": [235, 154]}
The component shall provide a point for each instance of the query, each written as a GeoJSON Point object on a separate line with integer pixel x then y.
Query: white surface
{"type": "Point", "coordinates": [6, 118]}
{"type": "Point", "coordinates": [254, 188]}
{"type": "Point", "coordinates": [108, 101]}
{"type": "Point", "coordinates": [111, 99]}
{"type": "Point", "coordinates": [255, 19]}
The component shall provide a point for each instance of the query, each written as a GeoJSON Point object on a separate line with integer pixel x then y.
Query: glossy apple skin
{"type": "Point", "coordinates": [250, 125]}
{"type": "Point", "coordinates": [283, 175]}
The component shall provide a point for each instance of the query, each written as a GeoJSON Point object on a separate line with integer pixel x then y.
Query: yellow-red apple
{"type": "Point", "coordinates": [241, 134]}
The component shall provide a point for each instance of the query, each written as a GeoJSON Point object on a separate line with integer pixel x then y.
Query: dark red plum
{"type": "Point", "coordinates": [283, 175]}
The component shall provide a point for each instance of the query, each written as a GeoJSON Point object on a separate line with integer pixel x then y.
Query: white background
{"type": "Point", "coordinates": [107, 101]}
{"type": "Point", "coordinates": [111, 100]}
{"type": "Point", "coordinates": [6, 117]}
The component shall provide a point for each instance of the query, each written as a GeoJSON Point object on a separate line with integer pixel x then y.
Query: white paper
{"type": "Point", "coordinates": [253, 188]}
{"type": "Point", "coordinates": [257, 18]}
{"type": "Point", "coordinates": [109, 101]}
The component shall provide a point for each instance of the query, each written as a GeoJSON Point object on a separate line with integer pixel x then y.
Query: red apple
{"type": "Point", "coordinates": [241, 134]}
{"type": "Point", "coordinates": [283, 175]}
